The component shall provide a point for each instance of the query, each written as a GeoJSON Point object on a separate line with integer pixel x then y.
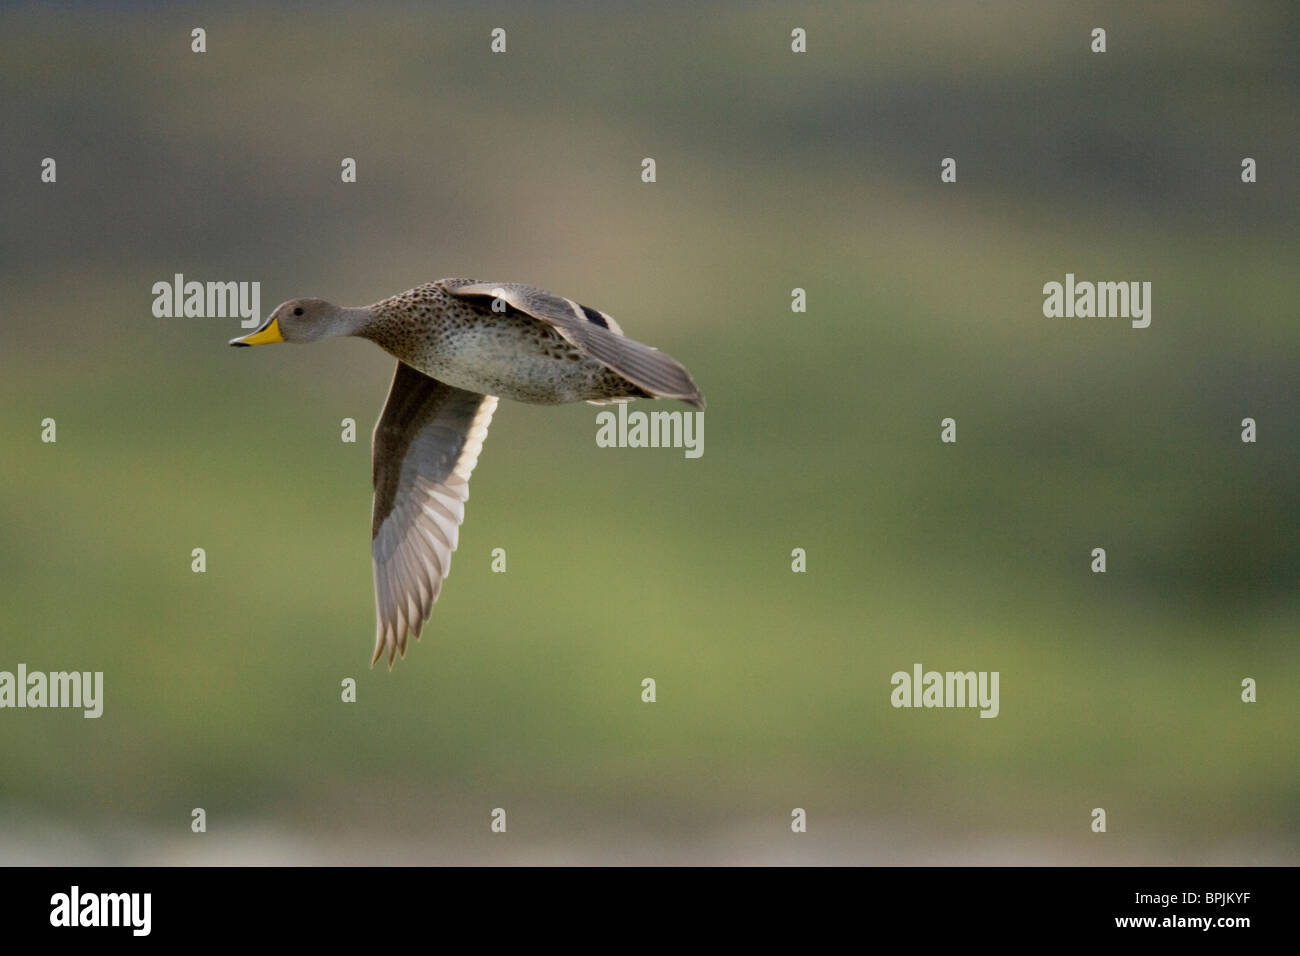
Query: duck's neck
{"type": "Point", "coordinates": [379, 325]}
{"type": "Point", "coordinates": [348, 321]}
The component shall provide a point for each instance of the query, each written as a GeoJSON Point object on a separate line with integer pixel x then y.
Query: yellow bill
{"type": "Point", "coordinates": [268, 334]}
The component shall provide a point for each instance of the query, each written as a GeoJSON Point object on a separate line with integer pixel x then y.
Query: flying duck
{"type": "Point", "coordinates": [460, 344]}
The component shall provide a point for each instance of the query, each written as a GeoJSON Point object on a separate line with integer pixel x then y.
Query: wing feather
{"type": "Point", "coordinates": [659, 374]}
{"type": "Point", "coordinates": [425, 446]}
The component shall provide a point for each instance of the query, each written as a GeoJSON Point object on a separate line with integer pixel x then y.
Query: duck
{"type": "Point", "coordinates": [461, 345]}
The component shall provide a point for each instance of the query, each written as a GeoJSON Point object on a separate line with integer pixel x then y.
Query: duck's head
{"type": "Point", "coordinates": [301, 320]}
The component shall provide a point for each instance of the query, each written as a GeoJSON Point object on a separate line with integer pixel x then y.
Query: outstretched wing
{"type": "Point", "coordinates": [425, 446]}
{"type": "Point", "coordinates": [592, 331]}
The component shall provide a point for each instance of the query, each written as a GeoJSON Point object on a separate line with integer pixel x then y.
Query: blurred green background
{"type": "Point", "coordinates": [775, 171]}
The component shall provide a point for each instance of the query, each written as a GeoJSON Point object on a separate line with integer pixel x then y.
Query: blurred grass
{"type": "Point", "coordinates": [822, 432]}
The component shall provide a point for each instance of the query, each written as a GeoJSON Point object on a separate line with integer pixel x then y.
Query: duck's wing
{"type": "Point", "coordinates": [425, 446]}
{"type": "Point", "coordinates": [592, 331]}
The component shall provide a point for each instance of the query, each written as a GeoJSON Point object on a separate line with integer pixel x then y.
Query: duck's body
{"type": "Point", "coordinates": [460, 344]}
{"type": "Point", "coordinates": [504, 352]}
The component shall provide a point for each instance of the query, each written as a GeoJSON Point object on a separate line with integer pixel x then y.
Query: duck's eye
{"type": "Point", "coordinates": [298, 311]}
